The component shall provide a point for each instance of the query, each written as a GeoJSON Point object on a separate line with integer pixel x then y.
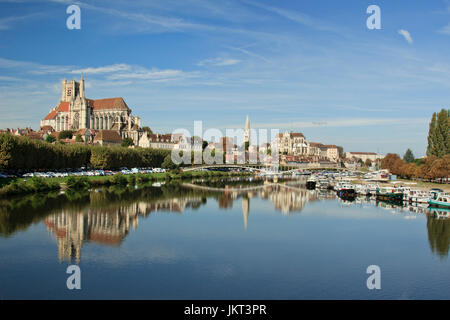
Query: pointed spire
{"type": "Point", "coordinates": [82, 86]}
{"type": "Point", "coordinates": [247, 123]}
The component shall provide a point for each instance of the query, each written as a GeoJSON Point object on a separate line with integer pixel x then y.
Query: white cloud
{"type": "Point", "coordinates": [406, 35]}
{"type": "Point", "coordinates": [445, 30]}
{"type": "Point", "coordinates": [105, 69]}
{"type": "Point", "coordinates": [7, 23]}
{"type": "Point", "coordinates": [219, 62]}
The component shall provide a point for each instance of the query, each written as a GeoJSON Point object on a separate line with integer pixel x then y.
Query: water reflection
{"type": "Point", "coordinates": [107, 216]}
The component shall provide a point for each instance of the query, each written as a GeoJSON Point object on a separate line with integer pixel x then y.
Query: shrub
{"type": "Point", "coordinates": [77, 183]}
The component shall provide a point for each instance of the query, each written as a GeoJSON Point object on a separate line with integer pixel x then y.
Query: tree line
{"type": "Point", "coordinates": [22, 153]}
{"type": "Point", "coordinates": [436, 165]}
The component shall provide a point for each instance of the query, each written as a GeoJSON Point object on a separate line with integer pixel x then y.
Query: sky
{"type": "Point", "coordinates": [308, 66]}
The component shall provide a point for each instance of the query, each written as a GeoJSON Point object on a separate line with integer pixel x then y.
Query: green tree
{"type": "Point", "coordinates": [66, 134]}
{"type": "Point", "coordinates": [126, 142]}
{"type": "Point", "coordinates": [442, 136]}
{"type": "Point", "coordinates": [431, 136]}
{"type": "Point", "coordinates": [409, 156]}
{"type": "Point", "coordinates": [50, 138]}
{"type": "Point", "coordinates": [438, 134]}
{"type": "Point", "coordinates": [78, 138]}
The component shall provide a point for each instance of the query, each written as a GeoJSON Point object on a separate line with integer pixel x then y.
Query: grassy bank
{"type": "Point", "coordinates": [17, 186]}
{"type": "Point", "coordinates": [422, 185]}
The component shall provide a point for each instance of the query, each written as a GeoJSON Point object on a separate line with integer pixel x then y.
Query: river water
{"type": "Point", "coordinates": [252, 241]}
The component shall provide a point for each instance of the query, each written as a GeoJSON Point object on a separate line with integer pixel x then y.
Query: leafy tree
{"type": "Point", "coordinates": [438, 134]}
{"type": "Point", "coordinates": [368, 162]}
{"type": "Point", "coordinates": [50, 138]}
{"type": "Point", "coordinates": [66, 134]}
{"type": "Point", "coordinates": [431, 136]}
{"type": "Point", "coordinates": [442, 135]}
{"type": "Point", "coordinates": [127, 142]}
{"type": "Point", "coordinates": [147, 129]}
{"type": "Point", "coordinates": [78, 138]}
{"type": "Point", "coordinates": [168, 164]}
{"type": "Point", "coordinates": [409, 156]}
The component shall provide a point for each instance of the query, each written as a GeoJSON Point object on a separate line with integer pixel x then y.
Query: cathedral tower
{"type": "Point", "coordinates": [247, 130]}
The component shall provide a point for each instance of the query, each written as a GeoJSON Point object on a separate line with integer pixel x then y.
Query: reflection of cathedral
{"type": "Point", "coordinates": [104, 226]}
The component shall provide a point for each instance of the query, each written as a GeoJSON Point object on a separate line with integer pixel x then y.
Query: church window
{"type": "Point", "coordinates": [69, 92]}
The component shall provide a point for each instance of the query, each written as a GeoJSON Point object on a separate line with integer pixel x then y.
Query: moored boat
{"type": "Point", "coordinates": [389, 194]}
{"type": "Point", "coordinates": [441, 200]}
{"type": "Point", "coordinates": [346, 191]}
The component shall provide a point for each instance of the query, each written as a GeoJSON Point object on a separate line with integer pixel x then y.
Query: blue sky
{"type": "Point", "coordinates": [309, 66]}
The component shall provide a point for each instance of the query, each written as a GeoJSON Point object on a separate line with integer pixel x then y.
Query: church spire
{"type": "Point", "coordinates": [82, 86]}
{"type": "Point", "coordinates": [247, 123]}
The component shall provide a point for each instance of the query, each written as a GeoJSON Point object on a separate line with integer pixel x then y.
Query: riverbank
{"type": "Point", "coordinates": [17, 186]}
{"type": "Point", "coordinates": [421, 185]}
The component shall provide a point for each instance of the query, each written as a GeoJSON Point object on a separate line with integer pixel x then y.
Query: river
{"type": "Point", "coordinates": [252, 241]}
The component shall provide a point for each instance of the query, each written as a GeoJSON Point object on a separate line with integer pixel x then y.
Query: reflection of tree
{"type": "Point", "coordinates": [439, 235]}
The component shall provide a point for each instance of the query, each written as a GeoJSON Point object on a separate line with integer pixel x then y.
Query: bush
{"type": "Point", "coordinates": [119, 179]}
{"type": "Point", "coordinates": [77, 183]}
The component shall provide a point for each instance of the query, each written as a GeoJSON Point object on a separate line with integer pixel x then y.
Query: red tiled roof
{"type": "Point", "coordinates": [297, 134]}
{"type": "Point", "coordinates": [315, 144]}
{"type": "Point", "coordinates": [63, 107]}
{"type": "Point", "coordinates": [108, 104]}
{"type": "Point", "coordinates": [51, 115]}
{"type": "Point", "coordinates": [108, 135]}
{"type": "Point", "coordinates": [47, 128]}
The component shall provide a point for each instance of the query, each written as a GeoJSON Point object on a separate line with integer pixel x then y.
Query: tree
{"type": "Point", "coordinates": [438, 134]}
{"type": "Point", "coordinates": [204, 144]}
{"type": "Point", "coordinates": [442, 136]}
{"type": "Point", "coordinates": [66, 134]}
{"type": "Point", "coordinates": [341, 152]}
{"type": "Point", "coordinates": [409, 156]}
{"type": "Point", "coordinates": [431, 135]}
{"type": "Point", "coordinates": [147, 129]}
{"type": "Point", "coordinates": [368, 162]}
{"type": "Point", "coordinates": [78, 138]}
{"type": "Point", "coordinates": [392, 162]}
{"type": "Point", "coordinates": [126, 142]}
{"type": "Point", "coordinates": [50, 138]}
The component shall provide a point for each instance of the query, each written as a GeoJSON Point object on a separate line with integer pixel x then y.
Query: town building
{"type": "Point", "coordinates": [363, 156]}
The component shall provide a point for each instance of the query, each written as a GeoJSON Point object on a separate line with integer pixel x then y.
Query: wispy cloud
{"type": "Point", "coordinates": [355, 122]}
{"type": "Point", "coordinates": [218, 62]}
{"type": "Point", "coordinates": [406, 35]}
{"type": "Point", "coordinates": [297, 17]}
{"type": "Point", "coordinates": [445, 30]}
{"type": "Point", "coordinates": [105, 69]}
{"type": "Point", "coordinates": [9, 22]}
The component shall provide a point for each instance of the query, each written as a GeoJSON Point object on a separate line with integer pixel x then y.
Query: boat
{"type": "Point", "coordinates": [346, 191]}
{"type": "Point", "coordinates": [311, 183]}
{"type": "Point", "coordinates": [441, 200]}
{"type": "Point", "coordinates": [418, 196]}
{"type": "Point", "coordinates": [322, 183]}
{"type": "Point", "coordinates": [389, 194]}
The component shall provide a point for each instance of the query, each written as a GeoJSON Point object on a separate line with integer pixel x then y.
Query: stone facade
{"type": "Point", "coordinates": [76, 112]}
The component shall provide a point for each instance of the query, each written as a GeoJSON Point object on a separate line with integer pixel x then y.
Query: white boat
{"type": "Point", "coordinates": [418, 196]}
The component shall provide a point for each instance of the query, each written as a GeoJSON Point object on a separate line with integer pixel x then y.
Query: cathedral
{"type": "Point", "coordinates": [111, 117]}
